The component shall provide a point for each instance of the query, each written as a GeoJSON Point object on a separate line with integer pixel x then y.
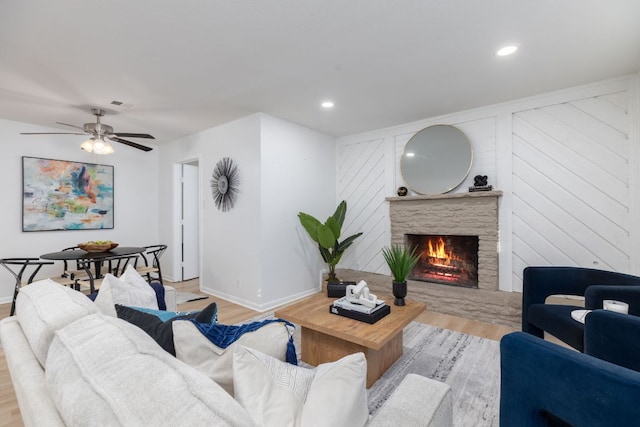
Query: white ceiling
{"type": "Point", "coordinates": [190, 65]}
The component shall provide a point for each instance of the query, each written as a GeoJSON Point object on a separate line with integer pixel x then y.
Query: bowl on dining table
{"type": "Point", "coordinates": [97, 247]}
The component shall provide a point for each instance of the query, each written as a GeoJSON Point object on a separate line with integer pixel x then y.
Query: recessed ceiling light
{"type": "Point", "coordinates": [507, 50]}
{"type": "Point", "coordinates": [327, 104]}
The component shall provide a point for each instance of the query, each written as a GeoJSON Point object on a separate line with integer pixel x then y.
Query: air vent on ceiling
{"type": "Point", "coordinates": [122, 104]}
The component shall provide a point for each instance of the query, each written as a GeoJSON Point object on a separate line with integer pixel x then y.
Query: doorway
{"type": "Point", "coordinates": [190, 220]}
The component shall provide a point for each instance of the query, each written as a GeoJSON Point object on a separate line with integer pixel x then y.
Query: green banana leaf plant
{"type": "Point", "coordinates": [326, 236]}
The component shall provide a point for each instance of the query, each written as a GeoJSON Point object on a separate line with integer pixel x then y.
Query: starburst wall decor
{"type": "Point", "coordinates": [224, 184]}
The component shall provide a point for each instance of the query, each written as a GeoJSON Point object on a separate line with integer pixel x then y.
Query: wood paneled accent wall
{"type": "Point", "coordinates": [567, 162]}
{"type": "Point", "coordinates": [571, 184]}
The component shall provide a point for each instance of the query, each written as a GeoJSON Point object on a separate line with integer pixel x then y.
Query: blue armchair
{"type": "Point", "coordinates": [595, 285]}
{"type": "Point", "coordinates": [544, 384]}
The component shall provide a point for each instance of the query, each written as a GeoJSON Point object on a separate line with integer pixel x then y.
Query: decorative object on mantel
{"type": "Point", "coordinates": [480, 184]}
{"type": "Point", "coordinates": [400, 262]}
{"type": "Point", "coordinates": [436, 160]}
{"type": "Point", "coordinates": [65, 195]}
{"type": "Point", "coordinates": [326, 236]}
{"type": "Point", "coordinates": [402, 191]}
{"type": "Point", "coordinates": [224, 184]}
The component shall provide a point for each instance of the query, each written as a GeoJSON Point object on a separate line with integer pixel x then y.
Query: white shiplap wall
{"type": "Point", "coordinates": [369, 171]}
{"type": "Point", "coordinates": [565, 162]}
{"type": "Point", "coordinates": [361, 172]}
{"type": "Point", "coordinates": [571, 184]}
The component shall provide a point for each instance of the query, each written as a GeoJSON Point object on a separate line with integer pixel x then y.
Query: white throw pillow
{"type": "Point", "coordinates": [279, 394]}
{"type": "Point", "coordinates": [103, 371]}
{"type": "Point", "coordinates": [193, 348]}
{"type": "Point", "coordinates": [133, 278]}
{"type": "Point", "coordinates": [104, 299]}
{"type": "Point", "coordinates": [130, 289]}
{"type": "Point", "coordinates": [45, 306]}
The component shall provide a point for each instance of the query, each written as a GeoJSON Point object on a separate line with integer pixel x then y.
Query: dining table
{"type": "Point", "coordinates": [86, 259]}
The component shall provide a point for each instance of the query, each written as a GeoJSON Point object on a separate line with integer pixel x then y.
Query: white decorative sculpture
{"type": "Point", "coordinates": [359, 294]}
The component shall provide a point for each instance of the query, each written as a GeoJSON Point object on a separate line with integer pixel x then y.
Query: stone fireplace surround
{"type": "Point", "coordinates": [467, 214]}
{"type": "Point", "coordinates": [475, 213]}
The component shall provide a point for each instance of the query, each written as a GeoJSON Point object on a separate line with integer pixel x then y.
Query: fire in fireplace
{"type": "Point", "coordinates": [451, 260]}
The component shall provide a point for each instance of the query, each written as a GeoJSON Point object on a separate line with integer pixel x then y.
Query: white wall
{"type": "Point", "coordinates": [229, 254]}
{"type": "Point", "coordinates": [584, 148]}
{"type": "Point", "coordinates": [297, 175]}
{"type": "Point", "coordinates": [135, 204]}
{"type": "Point", "coordinates": [253, 254]}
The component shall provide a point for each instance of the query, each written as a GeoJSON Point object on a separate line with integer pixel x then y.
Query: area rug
{"type": "Point", "coordinates": [469, 364]}
{"type": "Point", "coordinates": [182, 297]}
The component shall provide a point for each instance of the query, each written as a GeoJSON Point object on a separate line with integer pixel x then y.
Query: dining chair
{"type": "Point", "coordinates": [77, 273]}
{"type": "Point", "coordinates": [117, 264]}
{"type": "Point", "coordinates": [151, 258]}
{"type": "Point", "coordinates": [110, 265]}
{"type": "Point", "coordinates": [17, 267]}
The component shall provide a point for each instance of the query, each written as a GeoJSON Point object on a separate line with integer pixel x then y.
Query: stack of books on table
{"type": "Point", "coordinates": [360, 312]}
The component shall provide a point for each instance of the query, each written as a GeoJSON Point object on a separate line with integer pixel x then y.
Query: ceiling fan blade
{"type": "Point", "coordinates": [73, 126]}
{"type": "Point", "coordinates": [133, 135]}
{"type": "Point", "coordinates": [130, 144]}
{"type": "Point", "coordinates": [51, 133]}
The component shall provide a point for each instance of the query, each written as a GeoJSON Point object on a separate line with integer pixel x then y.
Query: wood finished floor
{"type": "Point", "coordinates": [230, 313]}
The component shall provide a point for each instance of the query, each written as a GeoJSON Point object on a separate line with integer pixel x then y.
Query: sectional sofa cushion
{"type": "Point", "coordinates": [105, 371]}
{"type": "Point", "coordinates": [45, 306]}
{"type": "Point", "coordinates": [276, 393]}
{"type": "Point", "coordinates": [195, 349]}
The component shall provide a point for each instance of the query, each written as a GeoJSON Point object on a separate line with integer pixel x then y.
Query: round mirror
{"type": "Point", "coordinates": [436, 160]}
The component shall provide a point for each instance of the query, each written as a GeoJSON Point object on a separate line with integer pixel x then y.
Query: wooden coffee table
{"type": "Point", "coordinates": [327, 337]}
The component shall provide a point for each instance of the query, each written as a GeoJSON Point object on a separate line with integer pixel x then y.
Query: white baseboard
{"type": "Point", "coordinates": [258, 307]}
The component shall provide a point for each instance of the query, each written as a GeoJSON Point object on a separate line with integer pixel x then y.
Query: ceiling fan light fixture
{"type": "Point", "coordinates": [100, 146]}
{"type": "Point", "coordinates": [108, 149]}
{"type": "Point", "coordinates": [97, 133]}
{"type": "Point", "coordinates": [87, 145]}
{"type": "Point", "coordinates": [97, 146]}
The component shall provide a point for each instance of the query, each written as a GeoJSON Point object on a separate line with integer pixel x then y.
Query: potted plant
{"type": "Point", "coordinates": [400, 262]}
{"type": "Point", "coordinates": [326, 236]}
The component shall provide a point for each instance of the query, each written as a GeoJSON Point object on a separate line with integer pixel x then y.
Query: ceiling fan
{"type": "Point", "coordinates": [100, 131]}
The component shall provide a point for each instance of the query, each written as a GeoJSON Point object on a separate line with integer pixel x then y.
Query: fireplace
{"type": "Point", "coordinates": [447, 259]}
{"type": "Point", "coordinates": [453, 214]}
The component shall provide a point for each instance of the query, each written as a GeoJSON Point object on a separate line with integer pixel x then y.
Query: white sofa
{"type": "Point", "coordinates": [72, 365]}
{"type": "Point", "coordinates": [170, 296]}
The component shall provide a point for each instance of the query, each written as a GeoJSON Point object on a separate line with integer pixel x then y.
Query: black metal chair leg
{"type": "Point", "coordinates": [23, 263]}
